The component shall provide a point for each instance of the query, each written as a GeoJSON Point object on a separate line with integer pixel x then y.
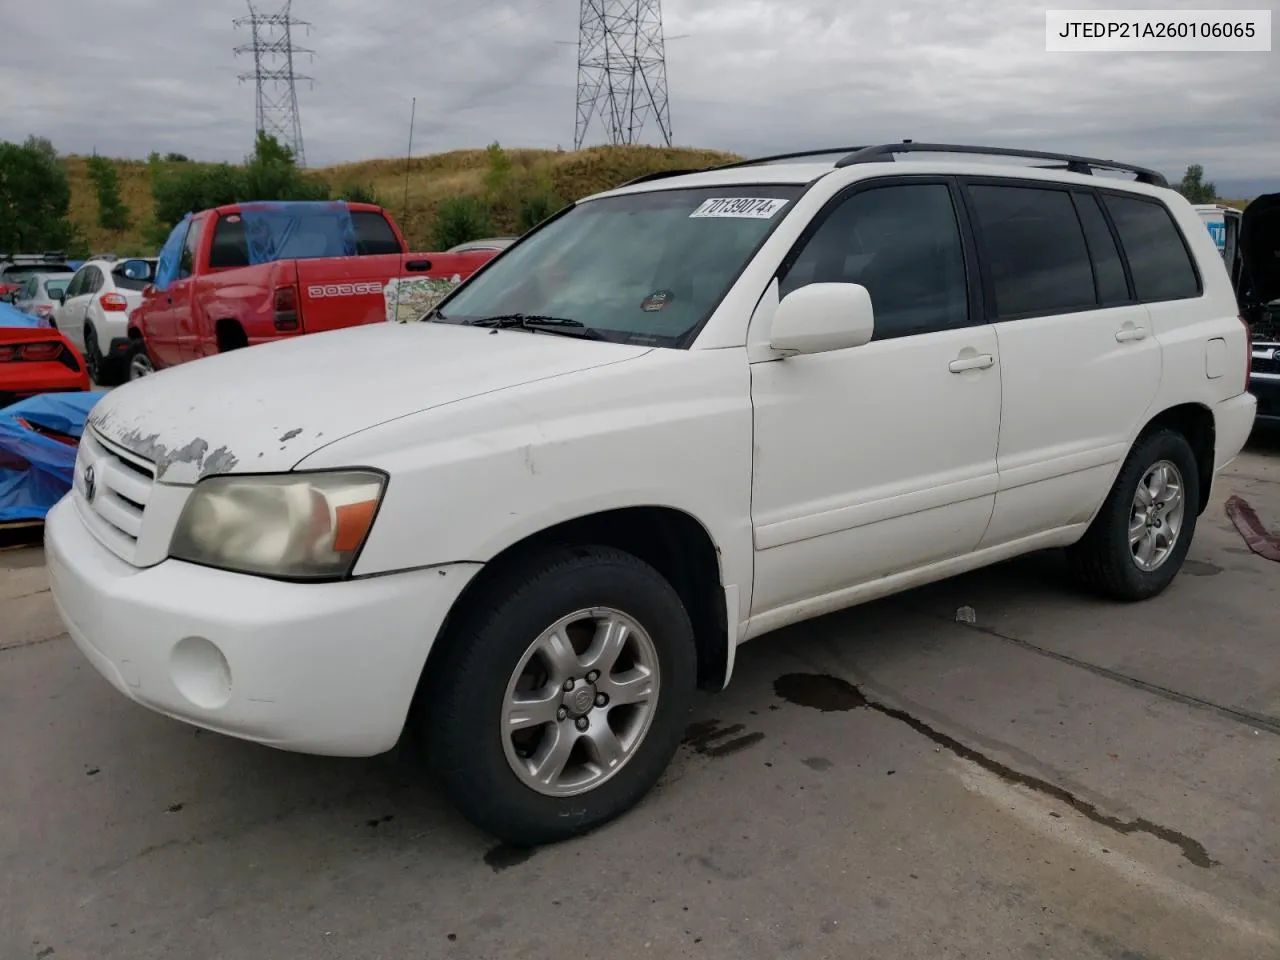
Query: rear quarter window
{"type": "Point", "coordinates": [1158, 257]}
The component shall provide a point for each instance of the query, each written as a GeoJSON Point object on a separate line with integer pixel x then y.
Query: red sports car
{"type": "Point", "coordinates": [38, 360]}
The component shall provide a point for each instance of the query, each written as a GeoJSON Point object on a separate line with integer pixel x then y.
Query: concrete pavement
{"type": "Point", "coordinates": [1063, 778]}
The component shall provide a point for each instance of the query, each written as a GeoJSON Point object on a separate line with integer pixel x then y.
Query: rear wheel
{"type": "Point", "coordinates": [557, 701]}
{"type": "Point", "coordinates": [104, 371]}
{"type": "Point", "coordinates": [1140, 538]}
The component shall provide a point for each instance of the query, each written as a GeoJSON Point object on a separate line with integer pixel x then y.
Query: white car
{"type": "Point", "coordinates": [95, 309]}
{"type": "Point", "coordinates": [682, 414]}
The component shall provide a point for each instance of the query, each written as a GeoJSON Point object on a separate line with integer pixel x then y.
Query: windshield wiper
{"type": "Point", "coordinates": [533, 321]}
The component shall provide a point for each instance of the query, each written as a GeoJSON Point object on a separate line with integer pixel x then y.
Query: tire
{"type": "Point", "coordinates": [463, 703]}
{"type": "Point", "coordinates": [138, 362]}
{"type": "Point", "coordinates": [104, 371]}
{"type": "Point", "coordinates": [1104, 560]}
{"type": "Point", "coordinates": [92, 355]}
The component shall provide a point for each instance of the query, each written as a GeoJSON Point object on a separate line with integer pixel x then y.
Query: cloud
{"type": "Point", "coordinates": [744, 75]}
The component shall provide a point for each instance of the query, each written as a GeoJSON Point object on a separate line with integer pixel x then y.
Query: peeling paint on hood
{"type": "Point", "coordinates": [266, 408]}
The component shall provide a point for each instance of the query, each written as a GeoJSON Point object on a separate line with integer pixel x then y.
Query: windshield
{"type": "Point", "coordinates": [639, 268]}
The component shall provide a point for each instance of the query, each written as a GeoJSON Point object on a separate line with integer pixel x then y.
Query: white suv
{"type": "Point", "coordinates": [674, 417]}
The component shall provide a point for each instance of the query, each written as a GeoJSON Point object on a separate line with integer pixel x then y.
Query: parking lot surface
{"type": "Point", "coordinates": [1063, 777]}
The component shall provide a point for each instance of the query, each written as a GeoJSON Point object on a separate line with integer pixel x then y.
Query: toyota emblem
{"type": "Point", "coordinates": [90, 483]}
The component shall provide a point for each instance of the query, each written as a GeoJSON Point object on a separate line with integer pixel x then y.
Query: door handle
{"type": "Point", "coordinates": [980, 362]}
{"type": "Point", "coordinates": [1131, 333]}
{"type": "Point", "coordinates": [418, 266]}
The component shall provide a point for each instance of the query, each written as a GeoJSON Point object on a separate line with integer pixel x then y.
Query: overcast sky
{"type": "Point", "coordinates": [132, 76]}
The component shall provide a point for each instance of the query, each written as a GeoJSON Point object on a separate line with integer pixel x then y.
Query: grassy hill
{"type": "Point", "coordinates": [431, 178]}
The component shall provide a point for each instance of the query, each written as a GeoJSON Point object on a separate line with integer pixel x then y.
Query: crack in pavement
{"type": "Point", "coordinates": [23, 644]}
{"type": "Point", "coordinates": [1253, 720]}
{"type": "Point", "coordinates": [840, 694]}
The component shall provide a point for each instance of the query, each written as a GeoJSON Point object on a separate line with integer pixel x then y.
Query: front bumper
{"type": "Point", "coordinates": [1267, 390]}
{"type": "Point", "coordinates": [315, 668]}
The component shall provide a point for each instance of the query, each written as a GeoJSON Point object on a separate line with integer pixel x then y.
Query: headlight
{"type": "Point", "coordinates": [298, 526]}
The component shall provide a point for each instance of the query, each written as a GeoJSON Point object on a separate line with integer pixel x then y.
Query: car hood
{"type": "Point", "coordinates": [264, 408]}
{"type": "Point", "coordinates": [1260, 245]}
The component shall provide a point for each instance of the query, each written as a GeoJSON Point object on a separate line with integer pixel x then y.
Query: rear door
{"type": "Point", "coordinates": [1080, 360]}
{"type": "Point", "coordinates": [72, 314]}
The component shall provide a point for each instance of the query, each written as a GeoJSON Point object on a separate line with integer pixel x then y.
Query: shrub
{"type": "Point", "coordinates": [461, 219]}
{"type": "Point", "coordinates": [535, 208]}
{"type": "Point", "coordinates": [359, 193]}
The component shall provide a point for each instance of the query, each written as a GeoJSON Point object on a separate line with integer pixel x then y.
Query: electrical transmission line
{"type": "Point", "coordinates": [622, 70]}
{"type": "Point", "coordinates": [273, 52]}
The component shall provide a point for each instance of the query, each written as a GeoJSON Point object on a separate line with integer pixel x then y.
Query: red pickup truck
{"type": "Point", "coordinates": [251, 273]}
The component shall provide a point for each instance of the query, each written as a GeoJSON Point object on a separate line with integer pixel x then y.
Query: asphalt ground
{"type": "Point", "coordinates": [1062, 778]}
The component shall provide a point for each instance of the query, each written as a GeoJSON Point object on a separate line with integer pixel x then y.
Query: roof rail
{"type": "Point", "coordinates": [1085, 165]}
{"type": "Point", "coordinates": [659, 175]}
{"type": "Point", "coordinates": [795, 155]}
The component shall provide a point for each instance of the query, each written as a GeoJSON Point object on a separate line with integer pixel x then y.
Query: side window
{"type": "Point", "coordinates": [92, 280]}
{"type": "Point", "coordinates": [1035, 250]}
{"type": "Point", "coordinates": [901, 242]}
{"type": "Point", "coordinates": [76, 286]}
{"type": "Point", "coordinates": [1158, 258]}
{"type": "Point", "coordinates": [29, 289]}
{"type": "Point", "coordinates": [229, 247]}
{"type": "Point", "coordinates": [1108, 270]}
{"type": "Point", "coordinates": [374, 235]}
{"type": "Point", "coordinates": [186, 264]}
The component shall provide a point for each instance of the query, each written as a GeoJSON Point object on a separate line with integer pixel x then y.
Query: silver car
{"type": "Point", "coordinates": [42, 294]}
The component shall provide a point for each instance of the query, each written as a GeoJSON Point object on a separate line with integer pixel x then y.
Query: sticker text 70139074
{"type": "Point", "coordinates": [751, 208]}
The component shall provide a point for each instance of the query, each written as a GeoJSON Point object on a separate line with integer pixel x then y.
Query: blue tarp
{"type": "Point", "coordinates": [171, 255]}
{"type": "Point", "coordinates": [298, 229]}
{"type": "Point", "coordinates": [36, 470]}
{"type": "Point", "coordinates": [11, 316]}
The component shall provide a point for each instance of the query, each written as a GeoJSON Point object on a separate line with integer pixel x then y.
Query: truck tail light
{"type": "Point", "coordinates": [286, 307]}
{"type": "Point", "coordinates": [113, 302]}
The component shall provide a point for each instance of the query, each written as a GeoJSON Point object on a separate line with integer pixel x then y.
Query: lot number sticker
{"type": "Point", "coordinates": [750, 208]}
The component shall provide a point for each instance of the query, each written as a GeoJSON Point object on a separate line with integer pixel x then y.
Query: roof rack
{"type": "Point", "coordinates": [1085, 165]}
{"type": "Point", "coordinates": [795, 155]}
{"type": "Point", "coordinates": [659, 175]}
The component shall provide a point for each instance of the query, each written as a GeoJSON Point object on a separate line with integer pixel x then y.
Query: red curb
{"type": "Point", "coordinates": [1256, 536]}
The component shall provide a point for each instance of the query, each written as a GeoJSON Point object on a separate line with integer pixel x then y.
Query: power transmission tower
{"type": "Point", "coordinates": [622, 69]}
{"type": "Point", "coordinates": [273, 52]}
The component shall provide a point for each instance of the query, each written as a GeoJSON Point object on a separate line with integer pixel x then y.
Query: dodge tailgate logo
{"type": "Point", "coordinates": [344, 289]}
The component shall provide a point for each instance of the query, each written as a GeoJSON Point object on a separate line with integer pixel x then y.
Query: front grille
{"type": "Point", "coordinates": [1266, 364]}
{"type": "Point", "coordinates": [122, 482]}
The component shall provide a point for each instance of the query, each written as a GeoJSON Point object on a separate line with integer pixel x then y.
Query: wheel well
{"type": "Point", "coordinates": [230, 335]}
{"type": "Point", "coordinates": [669, 540]}
{"type": "Point", "coordinates": [135, 333]}
{"type": "Point", "coordinates": [1195, 423]}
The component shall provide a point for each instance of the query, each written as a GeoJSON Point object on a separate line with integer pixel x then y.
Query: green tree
{"type": "Point", "coordinates": [270, 173]}
{"type": "Point", "coordinates": [34, 198]}
{"type": "Point", "coordinates": [1193, 187]}
{"type": "Point", "coordinates": [112, 213]}
{"type": "Point", "coordinates": [461, 219]}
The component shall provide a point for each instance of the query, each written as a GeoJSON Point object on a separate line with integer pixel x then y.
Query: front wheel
{"type": "Point", "coordinates": [1139, 539]}
{"type": "Point", "coordinates": [557, 702]}
{"type": "Point", "coordinates": [139, 361]}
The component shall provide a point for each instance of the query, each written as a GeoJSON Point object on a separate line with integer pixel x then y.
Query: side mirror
{"type": "Point", "coordinates": [822, 317]}
{"type": "Point", "coordinates": [136, 269]}
{"type": "Point", "coordinates": [60, 296]}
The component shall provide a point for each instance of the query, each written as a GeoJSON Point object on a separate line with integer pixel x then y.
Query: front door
{"type": "Point", "coordinates": [882, 458]}
{"type": "Point", "coordinates": [71, 315]}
